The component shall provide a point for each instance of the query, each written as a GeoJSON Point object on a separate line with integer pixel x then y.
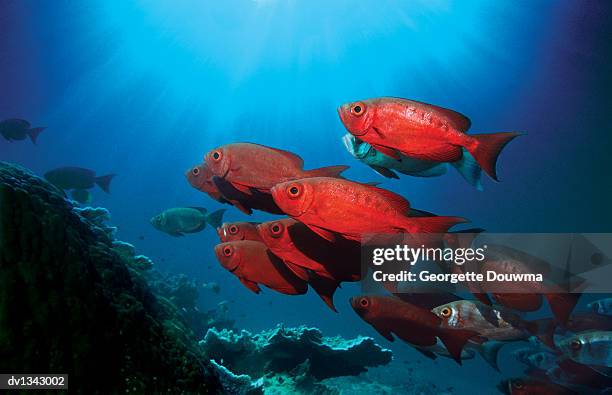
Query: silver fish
{"type": "Point", "coordinates": [589, 348]}
{"type": "Point", "coordinates": [180, 220]}
{"type": "Point", "coordinates": [601, 306]}
{"type": "Point", "coordinates": [493, 323]}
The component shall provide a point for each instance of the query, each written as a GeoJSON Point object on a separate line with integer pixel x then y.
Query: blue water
{"type": "Point", "coordinates": [145, 88]}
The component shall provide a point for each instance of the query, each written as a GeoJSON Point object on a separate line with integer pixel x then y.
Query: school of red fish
{"type": "Point", "coordinates": [317, 244]}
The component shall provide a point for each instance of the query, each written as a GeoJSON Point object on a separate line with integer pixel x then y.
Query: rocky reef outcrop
{"type": "Point", "coordinates": [303, 351]}
{"type": "Point", "coordinates": [71, 303]}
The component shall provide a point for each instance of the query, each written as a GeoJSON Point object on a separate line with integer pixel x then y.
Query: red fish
{"type": "Point", "coordinates": [421, 131]}
{"type": "Point", "coordinates": [246, 202]}
{"type": "Point", "coordinates": [323, 264]}
{"type": "Point", "coordinates": [294, 242]}
{"type": "Point", "coordinates": [238, 231]}
{"type": "Point", "coordinates": [332, 205]}
{"type": "Point", "coordinates": [200, 177]}
{"type": "Point", "coordinates": [253, 264]}
{"type": "Point", "coordinates": [414, 325]}
{"type": "Point", "coordinates": [250, 166]}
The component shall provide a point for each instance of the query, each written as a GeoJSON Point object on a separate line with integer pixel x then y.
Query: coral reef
{"type": "Point", "coordinates": [237, 384]}
{"type": "Point", "coordinates": [183, 292]}
{"type": "Point", "coordinates": [282, 350]}
{"type": "Point", "coordinates": [69, 303]}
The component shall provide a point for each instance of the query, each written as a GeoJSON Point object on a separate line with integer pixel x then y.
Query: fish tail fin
{"type": "Point", "coordinates": [325, 288]}
{"type": "Point", "coordinates": [489, 350]}
{"type": "Point", "coordinates": [215, 219]}
{"type": "Point", "coordinates": [329, 171]}
{"type": "Point", "coordinates": [487, 149]}
{"type": "Point", "coordinates": [431, 224]}
{"type": "Point", "coordinates": [544, 330]}
{"type": "Point", "coordinates": [104, 182]}
{"type": "Point", "coordinates": [469, 169]}
{"type": "Point", "coordinates": [454, 340]}
{"type": "Point", "coordinates": [35, 132]}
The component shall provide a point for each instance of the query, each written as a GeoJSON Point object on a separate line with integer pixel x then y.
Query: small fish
{"type": "Point", "coordinates": [200, 177]}
{"type": "Point", "coordinates": [253, 264]}
{"type": "Point", "coordinates": [422, 131]}
{"type": "Point", "coordinates": [82, 196]}
{"type": "Point", "coordinates": [67, 178]}
{"type": "Point", "coordinates": [331, 206]}
{"type": "Point", "coordinates": [250, 166]}
{"type": "Point", "coordinates": [19, 129]}
{"type": "Point", "coordinates": [238, 231]}
{"type": "Point", "coordinates": [412, 324]}
{"type": "Point", "coordinates": [180, 220]}
{"type": "Point", "coordinates": [531, 386]}
{"type": "Point", "coordinates": [601, 306]}
{"type": "Point", "coordinates": [589, 348]}
{"type": "Point", "coordinates": [490, 322]}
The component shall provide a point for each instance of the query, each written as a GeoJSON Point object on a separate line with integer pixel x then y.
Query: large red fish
{"type": "Point", "coordinates": [253, 264]}
{"type": "Point", "coordinates": [200, 177]}
{"type": "Point", "coordinates": [332, 205]}
{"type": "Point", "coordinates": [323, 264]}
{"type": "Point", "coordinates": [421, 131]}
{"type": "Point", "coordinates": [414, 325]}
{"type": "Point", "coordinates": [294, 242]}
{"type": "Point", "coordinates": [250, 166]}
{"type": "Point", "coordinates": [238, 231]}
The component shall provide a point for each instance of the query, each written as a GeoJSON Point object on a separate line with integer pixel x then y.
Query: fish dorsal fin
{"type": "Point", "coordinates": [287, 154]}
{"type": "Point", "coordinates": [200, 209]}
{"type": "Point", "coordinates": [398, 201]}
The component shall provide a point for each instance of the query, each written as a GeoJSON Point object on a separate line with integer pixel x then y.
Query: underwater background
{"type": "Point", "coordinates": [144, 89]}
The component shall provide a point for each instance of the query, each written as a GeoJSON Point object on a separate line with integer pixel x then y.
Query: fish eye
{"type": "Point", "coordinates": [539, 358]}
{"type": "Point", "coordinates": [195, 171]}
{"type": "Point", "coordinates": [216, 155]}
{"type": "Point", "coordinates": [445, 312]}
{"type": "Point", "coordinates": [518, 384]}
{"type": "Point", "coordinates": [363, 302]}
{"type": "Point", "coordinates": [576, 345]}
{"type": "Point", "coordinates": [276, 229]}
{"type": "Point", "coordinates": [227, 251]}
{"type": "Point", "coordinates": [233, 230]}
{"type": "Point", "coordinates": [358, 109]}
{"type": "Point", "coordinates": [294, 191]}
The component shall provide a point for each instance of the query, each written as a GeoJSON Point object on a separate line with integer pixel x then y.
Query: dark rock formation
{"type": "Point", "coordinates": [69, 303]}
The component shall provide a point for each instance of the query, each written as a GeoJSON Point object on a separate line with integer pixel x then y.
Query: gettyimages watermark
{"type": "Point", "coordinates": [488, 262]}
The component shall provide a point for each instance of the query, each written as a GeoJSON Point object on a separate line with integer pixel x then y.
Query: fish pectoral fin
{"type": "Point", "coordinates": [390, 152]}
{"type": "Point", "coordinates": [241, 207]}
{"type": "Point", "coordinates": [324, 233]}
{"type": "Point", "coordinates": [243, 188]}
{"type": "Point", "coordinates": [250, 285]}
{"type": "Point", "coordinates": [454, 340]}
{"type": "Point", "coordinates": [383, 171]}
